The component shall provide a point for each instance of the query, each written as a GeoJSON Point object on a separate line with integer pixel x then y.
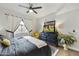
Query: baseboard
{"type": "Point", "coordinates": [73, 48]}
{"type": "Point", "coordinates": [55, 53]}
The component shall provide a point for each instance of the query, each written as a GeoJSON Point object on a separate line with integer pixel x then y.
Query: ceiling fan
{"type": "Point", "coordinates": [31, 8]}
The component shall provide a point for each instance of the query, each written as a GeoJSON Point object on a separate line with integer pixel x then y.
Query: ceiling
{"type": "Point", "coordinates": [47, 8]}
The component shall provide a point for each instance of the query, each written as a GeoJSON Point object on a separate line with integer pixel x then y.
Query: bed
{"type": "Point", "coordinates": [25, 46]}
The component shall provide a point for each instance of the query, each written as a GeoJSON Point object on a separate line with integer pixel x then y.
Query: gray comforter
{"type": "Point", "coordinates": [19, 46]}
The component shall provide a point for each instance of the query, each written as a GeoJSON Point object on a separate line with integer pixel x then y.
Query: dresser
{"type": "Point", "coordinates": [50, 38]}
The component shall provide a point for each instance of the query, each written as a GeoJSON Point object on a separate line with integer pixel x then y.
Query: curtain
{"type": "Point", "coordinates": [3, 24]}
{"type": "Point", "coordinates": [12, 23]}
{"type": "Point", "coordinates": [23, 29]}
{"type": "Point", "coordinates": [28, 24]}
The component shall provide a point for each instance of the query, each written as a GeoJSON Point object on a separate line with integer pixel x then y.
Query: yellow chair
{"type": "Point", "coordinates": [36, 35]}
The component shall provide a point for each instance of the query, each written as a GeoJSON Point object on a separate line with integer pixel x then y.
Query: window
{"type": "Point", "coordinates": [21, 30]}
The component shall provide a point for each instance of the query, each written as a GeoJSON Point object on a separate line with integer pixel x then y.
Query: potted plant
{"type": "Point", "coordinates": [66, 39]}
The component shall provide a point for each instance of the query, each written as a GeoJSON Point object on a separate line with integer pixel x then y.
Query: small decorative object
{"type": "Point", "coordinates": [62, 41]}
{"type": "Point", "coordinates": [36, 35]}
{"type": "Point", "coordinates": [74, 31]}
{"type": "Point", "coordinates": [65, 47]}
{"type": "Point", "coordinates": [66, 40]}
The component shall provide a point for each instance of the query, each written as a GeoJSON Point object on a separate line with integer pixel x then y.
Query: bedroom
{"type": "Point", "coordinates": [22, 26]}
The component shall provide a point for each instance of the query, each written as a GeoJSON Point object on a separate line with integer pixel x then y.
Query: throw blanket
{"type": "Point", "coordinates": [37, 42]}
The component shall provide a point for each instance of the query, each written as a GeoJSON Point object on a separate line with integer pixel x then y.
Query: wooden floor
{"type": "Point", "coordinates": [63, 52]}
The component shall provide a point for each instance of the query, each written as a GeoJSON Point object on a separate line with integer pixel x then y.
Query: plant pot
{"type": "Point", "coordinates": [65, 47]}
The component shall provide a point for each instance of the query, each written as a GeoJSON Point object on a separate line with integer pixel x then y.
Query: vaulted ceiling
{"type": "Point", "coordinates": [47, 9]}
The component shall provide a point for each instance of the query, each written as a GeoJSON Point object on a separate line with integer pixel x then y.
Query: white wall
{"type": "Point", "coordinates": [69, 20]}
{"type": "Point", "coordinates": [40, 22]}
{"type": "Point", "coordinates": [4, 21]}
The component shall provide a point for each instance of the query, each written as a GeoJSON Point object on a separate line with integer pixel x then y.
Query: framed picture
{"type": "Point", "coordinates": [49, 26]}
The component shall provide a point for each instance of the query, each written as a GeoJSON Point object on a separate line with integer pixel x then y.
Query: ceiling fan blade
{"type": "Point", "coordinates": [23, 6]}
{"type": "Point", "coordinates": [27, 11]}
{"type": "Point", "coordinates": [36, 7]}
{"type": "Point", "coordinates": [34, 11]}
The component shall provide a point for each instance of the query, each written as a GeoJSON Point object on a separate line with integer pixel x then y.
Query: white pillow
{"type": "Point", "coordinates": [39, 43]}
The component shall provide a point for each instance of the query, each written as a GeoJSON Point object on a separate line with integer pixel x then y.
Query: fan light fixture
{"type": "Point", "coordinates": [30, 11]}
{"type": "Point", "coordinates": [31, 8]}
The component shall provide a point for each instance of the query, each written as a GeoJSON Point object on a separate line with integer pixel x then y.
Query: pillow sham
{"type": "Point", "coordinates": [5, 42]}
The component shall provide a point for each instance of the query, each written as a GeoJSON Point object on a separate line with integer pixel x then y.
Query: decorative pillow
{"type": "Point", "coordinates": [36, 35]}
{"type": "Point", "coordinates": [5, 42]}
